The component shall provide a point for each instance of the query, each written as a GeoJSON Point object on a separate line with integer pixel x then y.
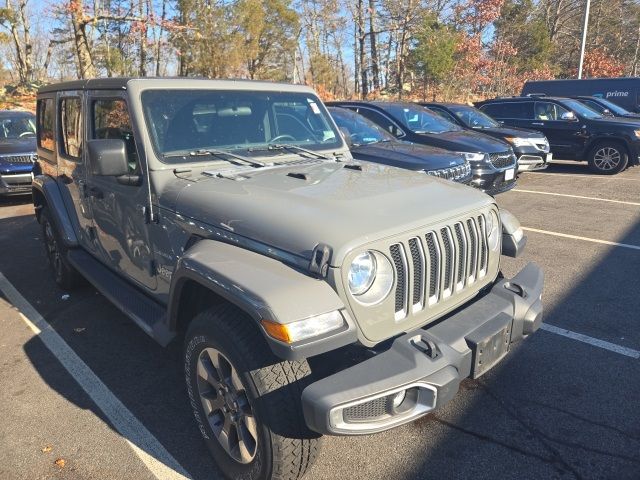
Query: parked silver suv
{"type": "Point", "coordinates": [315, 294]}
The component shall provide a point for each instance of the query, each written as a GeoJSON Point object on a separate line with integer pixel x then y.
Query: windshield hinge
{"type": "Point", "coordinates": [319, 264]}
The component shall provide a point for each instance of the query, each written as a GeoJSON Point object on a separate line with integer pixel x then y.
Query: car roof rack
{"type": "Point", "coordinates": [536, 94]}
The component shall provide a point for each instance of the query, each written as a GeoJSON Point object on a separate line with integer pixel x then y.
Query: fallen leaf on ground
{"type": "Point", "coordinates": [60, 462]}
{"type": "Point", "coordinates": [46, 449]}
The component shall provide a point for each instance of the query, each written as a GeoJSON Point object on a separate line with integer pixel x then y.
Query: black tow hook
{"type": "Point", "coordinates": [515, 288]}
{"type": "Point", "coordinates": [426, 346]}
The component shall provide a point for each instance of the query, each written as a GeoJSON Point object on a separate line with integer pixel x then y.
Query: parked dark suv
{"type": "Point", "coordinates": [531, 147]}
{"type": "Point", "coordinates": [17, 151]}
{"type": "Point", "coordinates": [574, 131]}
{"type": "Point", "coordinates": [493, 162]}
{"type": "Point", "coordinates": [370, 143]}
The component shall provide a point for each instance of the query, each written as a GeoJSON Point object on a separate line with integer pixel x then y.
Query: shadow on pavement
{"type": "Point", "coordinates": [555, 408]}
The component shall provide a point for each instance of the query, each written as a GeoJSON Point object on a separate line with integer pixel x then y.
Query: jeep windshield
{"type": "Point", "coordinates": [420, 120]}
{"type": "Point", "coordinates": [181, 122]}
{"type": "Point", "coordinates": [472, 117]}
{"type": "Point", "coordinates": [17, 125]}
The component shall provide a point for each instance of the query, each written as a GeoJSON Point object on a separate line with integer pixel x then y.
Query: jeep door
{"type": "Point", "coordinates": [71, 171]}
{"type": "Point", "coordinates": [564, 135]}
{"type": "Point", "coordinates": [119, 206]}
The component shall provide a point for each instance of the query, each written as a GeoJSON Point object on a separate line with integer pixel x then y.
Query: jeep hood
{"type": "Point", "coordinates": [294, 208]}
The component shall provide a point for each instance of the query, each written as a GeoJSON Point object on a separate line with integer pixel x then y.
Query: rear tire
{"type": "Point", "coordinates": [608, 158]}
{"type": "Point", "coordinates": [247, 402]}
{"type": "Point", "coordinates": [64, 274]}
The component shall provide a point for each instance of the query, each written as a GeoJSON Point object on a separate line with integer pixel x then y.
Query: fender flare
{"type": "Point", "coordinates": [264, 288]}
{"type": "Point", "coordinates": [48, 188]}
{"type": "Point", "coordinates": [608, 138]}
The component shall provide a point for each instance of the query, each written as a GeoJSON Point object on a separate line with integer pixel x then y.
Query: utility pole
{"type": "Point", "coordinates": [584, 37]}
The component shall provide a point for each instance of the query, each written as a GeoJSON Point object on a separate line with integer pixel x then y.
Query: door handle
{"type": "Point", "coordinates": [538, 123]}
{"type": "Point", "coordinates": [95, 192]}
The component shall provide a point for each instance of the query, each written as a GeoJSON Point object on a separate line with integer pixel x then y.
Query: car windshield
{"type": "Point", "coordinates": [420, 120]}
{"type": "Point", "coordinates": [472, 117]}
{"type": "Point", "coordinates": [17, 125]}
{"type": "Point", "coordinates": [188, 121]}
{"type": "Point", "coordinates": [361, 130]}
{"type": "Point", "coordinates": [613, 108]}
{"type": "Point", "coordinates": [581, 109]}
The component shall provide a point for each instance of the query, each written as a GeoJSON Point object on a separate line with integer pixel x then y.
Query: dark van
{"type": "Point", "coordinates": [621, 91]}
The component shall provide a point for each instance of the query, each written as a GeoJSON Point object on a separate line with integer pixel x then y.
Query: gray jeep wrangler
{"type": "Point", "coordinates": [315, 294]}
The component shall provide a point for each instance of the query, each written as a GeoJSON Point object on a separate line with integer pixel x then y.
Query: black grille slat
{"type": "Point", "coordinates": [473, 244]}
{"type": "Point", "coordinates": [401, 274]}
{"type": "Point", "coordinates": [418, 270]}
{"type": "Point", "coordinates": [483, 242]}
{"type": "Point", "coordinates": [448, 256]}
{"type": "Point", "coordinates": [434, 265]}
{"type": "Point", "coordinates": [462, 252]}
{"type": "Point", "coordinates": [17, 158]}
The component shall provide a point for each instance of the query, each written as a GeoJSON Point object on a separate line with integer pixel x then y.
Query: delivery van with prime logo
{"type": "Point", "coordinates": [621, 91]}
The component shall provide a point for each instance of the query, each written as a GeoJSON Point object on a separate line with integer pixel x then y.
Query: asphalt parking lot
{"type": "Point", "coordinates": [564, 404]}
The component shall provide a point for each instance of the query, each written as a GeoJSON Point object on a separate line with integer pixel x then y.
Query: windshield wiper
{"type": "Point", "coordinates": [220, 153]}
{"type": "Point", "coordinates": [295, 148]}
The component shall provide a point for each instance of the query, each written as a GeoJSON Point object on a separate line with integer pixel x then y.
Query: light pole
{"type": "Point", "coordinates": [584, 37]}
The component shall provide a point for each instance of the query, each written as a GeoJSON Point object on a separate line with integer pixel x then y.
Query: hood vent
{"type": "Point", "coordinates": [353, 166]}
{"type": "Point", "coordinates": [300, 176]}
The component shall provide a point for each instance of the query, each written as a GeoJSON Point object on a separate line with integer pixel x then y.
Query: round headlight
{"type": "Point", "coordinates": [362, 273]}
{"type": "Point", "coordinates": [370, 277]}
{"type": "Point", "coordinates": [493, 230]}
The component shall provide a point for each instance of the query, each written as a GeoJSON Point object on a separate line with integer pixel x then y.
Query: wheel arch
{"type": "Point", "coordinates": [604, 139]}
{"type": "Point", "coordinates": [46, 193]}
{"type": "Point", "coordinates": [212, 273]}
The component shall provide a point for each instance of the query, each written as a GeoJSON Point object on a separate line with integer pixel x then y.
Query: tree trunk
{"type": "Point", "coordinates": [364, 82]}
{"type": "Point", "coordinates": [143, 38]}
{"type": "Point", "coordinates": [375, 70]}
{"type": "Point", "coordinates": [86, 67]}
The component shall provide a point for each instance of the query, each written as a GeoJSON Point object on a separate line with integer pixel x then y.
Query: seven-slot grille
{"type": "Point", "coordinates": [502, 160]}
{"type": "Point", "coordinates": [17, 158]}
{"type": "Point", "coordinates": [430, 268]}
{"type": "Point", "coordinates": [457, 173]}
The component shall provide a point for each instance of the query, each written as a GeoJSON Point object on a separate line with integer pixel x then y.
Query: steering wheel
{"type": "Point", "coordinates": [24, 134]}
{"type": "Point", "coordinates": [283, 137]}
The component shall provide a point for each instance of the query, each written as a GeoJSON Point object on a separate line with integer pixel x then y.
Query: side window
{"type": "Point", "coordinates": [514, 110]}
{"type": "Point", "coordinates": [111, 120]}
{"type": "Point", "coordinates": [71, 127]}
{"type": "Point", "coordinates": [594, 105]}
{"type": "Point", "coordinates": [45, 122]}
{"type": "Point", "coordinates": [445, 115]}
{"type": "Point", "coordinates": [381, 120]}
{"type": "Point", "coordinates": [549, 111]}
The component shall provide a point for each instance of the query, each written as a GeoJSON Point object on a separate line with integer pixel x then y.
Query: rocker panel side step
{"type": "Point", "coordinates": [146, 313]}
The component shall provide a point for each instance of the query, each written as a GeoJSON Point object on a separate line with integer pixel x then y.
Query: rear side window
{"type": "Point", "coordinates": [518, 110]}
{"type": "Point", "coordinates": [71, 123]}
{"type": "Point", "coordinates": [45, 123]}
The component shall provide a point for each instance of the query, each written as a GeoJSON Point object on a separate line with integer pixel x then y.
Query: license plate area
{"type": "Point", "coordinates": [489, 344]}
{"type": "Point", "coordinates": [509, 174]}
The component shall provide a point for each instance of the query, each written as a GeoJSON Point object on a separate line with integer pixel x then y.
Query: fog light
{"type": "Point", "coordinates": [399, 398]}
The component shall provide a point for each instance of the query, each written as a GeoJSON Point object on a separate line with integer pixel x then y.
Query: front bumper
{"type": "Point", "coordinates": [529, 162]}
{"type": "Point", "coordinates": [427, 364]}
{"type": "Point", "coordinates": [492, 181]}
{"type": "Point", "coordinates": [15, 183]}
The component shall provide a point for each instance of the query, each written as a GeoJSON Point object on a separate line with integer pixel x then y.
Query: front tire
{"type": "Point", "coordinates": [64, 274]}
{"type": "Point", "coordinates": [245, 400]}
{"type": "Point", "coordinates": [608, 158]}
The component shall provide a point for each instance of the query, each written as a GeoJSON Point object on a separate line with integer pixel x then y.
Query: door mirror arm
{"type": "Point", "coordinates": [132, 180]}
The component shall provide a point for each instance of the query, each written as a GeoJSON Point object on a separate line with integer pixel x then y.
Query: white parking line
{"type": "Point", "coordinates": [574, 175]}
{"type": "Point", "coordinates": [147, 447]}
{"type": "Point", "coordinates": [612, 347]}
{"type": "Point", "coordinates": [586, 239]}
{"type": "Point", "coordinates": [576, 196]}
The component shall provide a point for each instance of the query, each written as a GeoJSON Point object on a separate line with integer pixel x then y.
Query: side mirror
{"type": "Point", "coordinates": [108, 157]}
{"type": "Point", "coordinates": [568, 116]}
{"type": "Point", "coordinates": [606, 112]}
{"type": "Point", "coordinates": [346, 135]}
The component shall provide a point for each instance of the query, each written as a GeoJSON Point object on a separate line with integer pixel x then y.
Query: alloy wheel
{"type": "Point", "coordinates": [226, 406]}
{"type": "Point", "coordinates": [607, 158]}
